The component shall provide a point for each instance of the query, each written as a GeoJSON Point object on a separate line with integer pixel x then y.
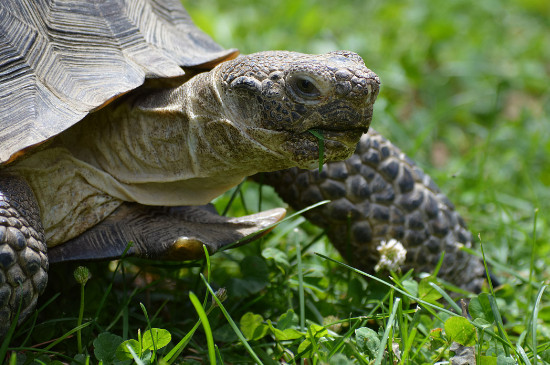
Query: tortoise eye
{"type": "Point", "coordinates": [305, 87]}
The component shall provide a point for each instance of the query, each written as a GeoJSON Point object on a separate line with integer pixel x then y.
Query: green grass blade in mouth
{"type": "Point", "coordinates": [321, 141]}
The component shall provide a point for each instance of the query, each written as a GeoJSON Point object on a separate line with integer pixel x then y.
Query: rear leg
{"type": "Point", "coordinates": [23, 257]}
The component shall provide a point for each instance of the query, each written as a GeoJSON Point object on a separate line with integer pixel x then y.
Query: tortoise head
{"type": "Point", "coordinates": [280, 96]}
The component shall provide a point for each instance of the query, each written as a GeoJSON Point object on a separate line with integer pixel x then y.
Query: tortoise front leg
{"type": "Point", "coordinates": [23, 259]}
{"type": "Point", "coordinates": [165, 233]}
{"type": "Point", "coordinates": [379, 194]}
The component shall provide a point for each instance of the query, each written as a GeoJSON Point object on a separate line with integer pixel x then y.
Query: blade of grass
{"type": "Point", "coordinates": [122, 310]}
{"type": "Point", "coordinates": [389, 340]}
{"type": "Point", "coordinates": [77, 328]}
{"type": "Point", "coordinates": [45, 352]}
{"type": "Point", "coordinates": [494, 306]}
{"type": "Point", "coordinates": [218, 354]}
{"type": "Point", "coordinates": [134, 355]}
{"type": "Point", "coordinates": [420, 347]}
{"type": "Point", "coordinates": [110, 286]}
{"type": "Point", "coordinates": [150, 330]}
{"type": "Point", "coordinates": [439, 263]}
{"type": "Point", "coordinates": [408, 346]}
{"type": "Point", "coordinates": [341, 341]}
{"type": "Point", "coordinates": [284, 230]}
{"type": "Point", "coordinates": [243, 202]}
{"type": "Point", "coordinates": [180, 346]}
{"type": "Point", "coordinates": [534, 324]}
{"type": "Point", "coordinates": [35, 317]}
{"type": "Point", "coordinates": [205, 325]}
{"type": "Point", "coordinates": [232, 198]}
{"type": "Point", "coordinates": [446, 296]}
{"type": "Point", "coordinates": [500, 325]}
{"type": "Point", "coordinates": [403, 327]}
{"type": "Point", "coordinates": [497, 265]}
{"type": "Point", "coordinates": [297, 237]}
{"type": "Point", "coordinates": [313, 344]}
{"type": "Point", "coordinates": [227, 247]}
{"type": "Point", "coordinates": [523, 355]}
{"type": "Point", "coordinates": [532, 261]}
{"type": "Point", "coordinates": [9, 334]}
{"type": "Point", "coordinates": [176, 351]}
{"type": "Point", "coordinates": [415, 319]}
{"type": "Point", "coordinates": [265, 357]}
{"type": "Point", "coordinates": [260, 191]}
{"type": "Point", "coordinates": [231, 322]}
{"type": "Point", "coordinates": [321, 143]}
{"type": "Point", "coordinates": [208, 271]}
{"type": "Point", "coordinates": [389, 326]}
{"type": "Point", "coordinates": [310, 304]}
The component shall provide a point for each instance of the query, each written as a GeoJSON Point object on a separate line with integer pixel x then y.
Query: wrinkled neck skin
{"type": "Point", "coordinates": [174, 147]}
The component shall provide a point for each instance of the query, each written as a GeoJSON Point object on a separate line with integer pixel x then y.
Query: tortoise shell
{"type": "Point", "coordinates": [60, 60]}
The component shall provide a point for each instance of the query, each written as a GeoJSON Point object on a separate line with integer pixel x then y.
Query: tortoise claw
{"type": "Point", "coordinates": [169, 233]}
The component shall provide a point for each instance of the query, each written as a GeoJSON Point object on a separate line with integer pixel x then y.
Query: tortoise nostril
{"type": "Point", "coordinates": [343, 88]}
{"type": "Point", "coordinates": [343, 75]}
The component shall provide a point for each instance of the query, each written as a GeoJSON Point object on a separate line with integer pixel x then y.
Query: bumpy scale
{"type": "Point", "coordinates": [23, 260]}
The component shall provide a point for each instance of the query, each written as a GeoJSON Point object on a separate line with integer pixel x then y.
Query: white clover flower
{"type": "Point", "coordinates": [392, 255]}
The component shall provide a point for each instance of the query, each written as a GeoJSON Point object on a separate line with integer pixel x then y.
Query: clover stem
{"type": "Point", "coordinates": [81, 275]}
{"type": "Point", "coordinates": [80, 316]}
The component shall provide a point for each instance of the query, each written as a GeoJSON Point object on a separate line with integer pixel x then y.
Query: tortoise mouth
{"type": "Point", "coordinates": [304, 150]}
{"type": "Point", "coordinates": [347, 136]}
{"type": "Point", "coordinates": [337, 131]}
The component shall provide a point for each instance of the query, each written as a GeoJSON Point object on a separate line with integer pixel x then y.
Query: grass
{"type": "Point", "coordinates": [465, 93]}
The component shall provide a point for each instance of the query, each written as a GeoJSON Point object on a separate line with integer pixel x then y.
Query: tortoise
{"type": "Point", "coordinates": [120, 120]}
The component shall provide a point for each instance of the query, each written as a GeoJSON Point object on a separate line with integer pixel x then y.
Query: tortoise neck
{"type": "Point", "coordinates": [169, 147]}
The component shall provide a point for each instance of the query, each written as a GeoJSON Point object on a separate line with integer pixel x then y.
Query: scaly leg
{"type": "Point", "coordinates": [379, 194]}
{"type": "Point", "coordinates": [23, 258]}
